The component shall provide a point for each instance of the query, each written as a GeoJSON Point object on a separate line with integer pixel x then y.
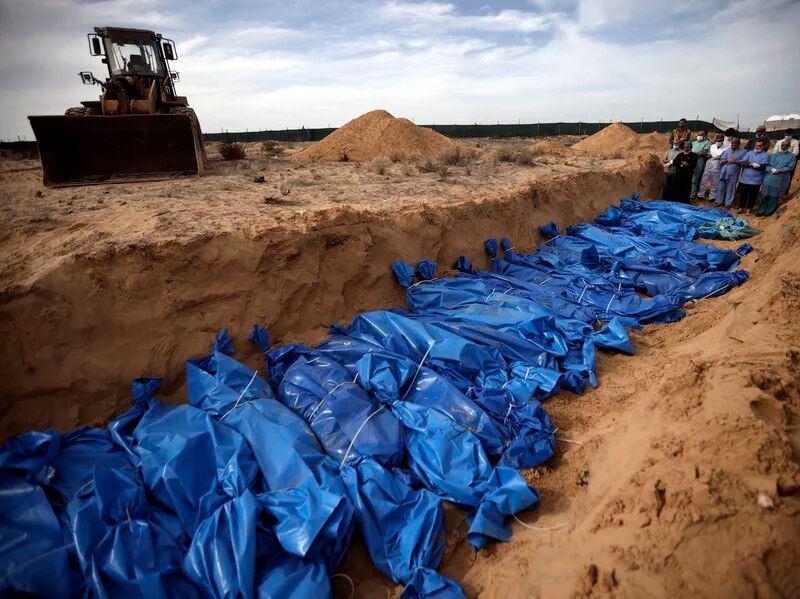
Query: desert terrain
{"type": "Point", "coordinates": [678, 475]}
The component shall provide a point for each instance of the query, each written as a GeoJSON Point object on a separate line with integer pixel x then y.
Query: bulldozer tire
{"type": "Point", "coordinates": [80, 111]}
{"type": "Point", "coordinates": [195, 128]}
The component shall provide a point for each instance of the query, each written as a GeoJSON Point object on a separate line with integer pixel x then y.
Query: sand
{"type": "Point", "coordinates": [548, 146]}
{"type": "Point", "coordinates": [373, 135]}
{"type": "Point", "coordinates": [655, 488]}
{"type": "Point", "coordinates": [618, 138]}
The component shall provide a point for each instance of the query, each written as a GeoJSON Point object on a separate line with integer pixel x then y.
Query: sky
{"type": "Point", "coordinates": [260, 64]}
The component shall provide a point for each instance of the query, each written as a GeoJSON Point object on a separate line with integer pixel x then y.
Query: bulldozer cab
{"type": "Point", "coordinates": [138, 129]}
{"type": "Point", "coordinates": [139, 79]}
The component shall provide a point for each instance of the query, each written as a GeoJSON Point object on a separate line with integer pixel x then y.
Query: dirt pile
{"type": "Point", "coordinates": [375, 134]}
{"type": "Point", "coordinates": [548, 146]}
{"type": "Point", "coordinates": [618, 138]}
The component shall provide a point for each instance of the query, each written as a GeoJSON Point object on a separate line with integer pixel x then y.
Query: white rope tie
{"type": "Point", "coordinates": [569, 441]}
{"type": "Point", "coordinates": [323, 400]}
{"type": "Point", "coordinates": [585, 287]}
{"type": "Point", "coordinates": [508, 412]}
{"type": "Point", "coordinates": [539, 528]}
{"type": "Point", "coordinates": [619, 288]}
{"type": "Point", "coordinates": [238, 399]}
{"type": "Point", "coordinates": [349, 447]}
{"type": "Point", "coordinates": [430, 347]}
{"type": "Point", "coordinates": [555, 430]}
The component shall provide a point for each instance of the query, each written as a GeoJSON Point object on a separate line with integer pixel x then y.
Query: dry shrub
{"type": "Point", "coordinates": [343, 156]}
{"type": "Point", "coordinates": [504, 154]}
{"type": "Point", "coordinates": [429, 165]}
{"type": "Point", "coordinates": [232, 151]}
{"type": "Point", "coordinates": [271, 148]}
{"type": "Point", "coordinates": [407, 169]}
{"type": "Point", "coordinates": [442, 170]}
{"type": "Point", "coordinates": [379, 166]}
{"type": "Point", "coordinates": [457, 154]}
{"type": "Point", "coordinates": [523, 157]}
{"type": "Point", "coordinates": [396, 156]}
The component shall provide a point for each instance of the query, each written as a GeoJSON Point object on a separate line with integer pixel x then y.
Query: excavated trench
{"type": "Point", "coordinates": [76, 335]}
{"type": "Point", "coordinates": [678, 475]}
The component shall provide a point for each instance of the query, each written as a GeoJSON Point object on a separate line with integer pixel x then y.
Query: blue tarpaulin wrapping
{"type": "Point", "coordinates": [254, 487]}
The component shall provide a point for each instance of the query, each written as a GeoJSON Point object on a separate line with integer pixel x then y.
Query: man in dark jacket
{"type": "Point", "coordinates": [684, 164]}
{"type": "Point", "coordinates": [761, 135]}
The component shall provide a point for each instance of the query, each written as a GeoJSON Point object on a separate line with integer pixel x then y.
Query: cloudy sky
{"type": "Point", "coordinates": [255, 64]}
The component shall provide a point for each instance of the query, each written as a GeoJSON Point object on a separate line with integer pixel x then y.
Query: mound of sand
{"type": "Point", "coordinates": [618, 138]}
{"type": "Point", "coordinates": [548, 146]}
{"type": "Point", "coordinates": [376, 133]}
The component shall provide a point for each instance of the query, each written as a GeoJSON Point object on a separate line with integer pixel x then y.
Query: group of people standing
{"type": "Point", "coordinates": [715, 170]}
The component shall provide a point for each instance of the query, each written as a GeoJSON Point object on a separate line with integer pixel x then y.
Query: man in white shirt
{"type": "Point", "coordinates": [794, 145]}
{"type": "Point", "coordinates": [710, 176]}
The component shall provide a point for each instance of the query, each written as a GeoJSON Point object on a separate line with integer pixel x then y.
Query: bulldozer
{"type": "Point", "coordinates": [138, 130]}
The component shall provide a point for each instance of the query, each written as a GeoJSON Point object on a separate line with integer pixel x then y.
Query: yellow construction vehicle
{"type": "Point", "coordinates": [139, 129]}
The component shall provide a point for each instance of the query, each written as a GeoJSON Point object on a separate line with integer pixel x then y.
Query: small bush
{"type": "Point", "coordinates": [428, 166]}
{"type": "Point", "coordinates": [380, 166]}
{"type": "Point", "coordinates": [232, 151]}
{"type": "Point", "coordinates": [525, 157]}
{"type": "Point", "coordinates": [407, 169]}
{"type": "Point", "coordinates": [442, 170]}
{"type": "Point", "coordinates": [457, 154]}
{"type": "Point", "coordinates": [396, 156]}
{"type": "Point", "coordinates": [504, 154]}
{"type": "Point", "coordinates": [271, 148]}
{"type": "Point", "coordinates": [344, 156]}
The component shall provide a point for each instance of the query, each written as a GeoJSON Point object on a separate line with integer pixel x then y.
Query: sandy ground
{"type": "Point", "coordinates": [42, 226]}
{"type": "Point", "coordinates": [677, 476]}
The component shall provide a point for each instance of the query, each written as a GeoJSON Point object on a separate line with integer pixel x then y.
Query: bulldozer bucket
{"type": "Point", "coordinates": [88, 150]}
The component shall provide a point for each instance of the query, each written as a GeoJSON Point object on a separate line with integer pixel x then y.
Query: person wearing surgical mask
{"type": "Point", "coordinates": [794, 148]}
{"type": "Point", "coordinates": [700, 147]}
{"type": "Point", "coordinates": [669, 170]}
{"type": "Point", "coordinates": [710, 176]}
{"type": "Point", "coordinates": [794, 145]}
{"type": "Point", "coordinates": [730, 133]}
{"type": "Point", "coordinates": [777, 178]}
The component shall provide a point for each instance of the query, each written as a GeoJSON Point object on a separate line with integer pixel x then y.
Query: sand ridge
{"type": "Point", "coordinates": [373, 135]}
{"type": "Point", "coordinates": [618, 138]}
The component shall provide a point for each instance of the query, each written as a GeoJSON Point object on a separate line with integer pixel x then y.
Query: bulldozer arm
{"type": "Point", "coordinates": [89, 150]}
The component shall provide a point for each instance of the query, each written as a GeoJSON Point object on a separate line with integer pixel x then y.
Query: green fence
{"type": "Point", "coordinates": [456, 131]}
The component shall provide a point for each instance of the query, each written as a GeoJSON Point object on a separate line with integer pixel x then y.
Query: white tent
{"type": "Point", "coordinates": [782, 121]}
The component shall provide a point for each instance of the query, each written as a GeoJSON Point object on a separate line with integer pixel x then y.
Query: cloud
{"type": "Point", "coordinates": [249, 64]}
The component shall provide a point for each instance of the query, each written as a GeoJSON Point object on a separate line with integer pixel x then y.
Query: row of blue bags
{"type": "Point", "coordinates": [256, 485]}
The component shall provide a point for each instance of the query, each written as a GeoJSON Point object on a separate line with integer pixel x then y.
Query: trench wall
{"type": "Point", "coordinates": [75, 339]}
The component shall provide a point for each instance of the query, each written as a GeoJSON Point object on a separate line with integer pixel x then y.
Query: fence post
{"type": "Point", "coordinates": [538, 129]}
{"type": "Point", "coordinates": [579, 127]}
